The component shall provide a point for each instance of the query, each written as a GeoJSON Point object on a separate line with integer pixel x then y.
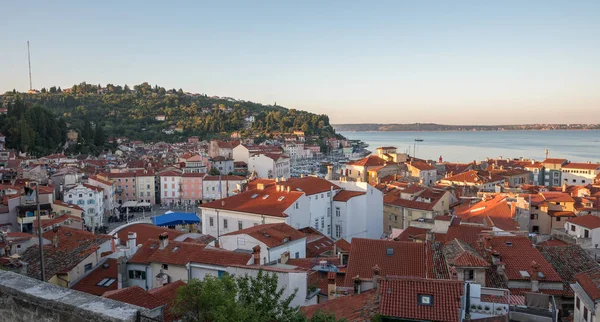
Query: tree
{"type": "Point", "coordinates": [214, 171]}
{"type": "Point", "coordinates": [87, 133]}
{"type": "Point", "coordinates": [99, 137]}
{"type": "Point", "coordinates": [239, 298]}
{"type": "Point", "coordinates": [52, 89]}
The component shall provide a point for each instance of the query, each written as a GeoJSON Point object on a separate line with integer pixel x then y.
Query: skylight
{"type": "Point", "coordinates": [106, 282]}
{"type": "Point", "coordinates": [280, 198]}
{"type": "Point", "coordinates": [176, 248]}
{"type": "Point", "coordinates": [524, 273]}
{"type": "Point", "coordinates": [389, 251]}
{"type": "Point", "coordinates": [254, 195]}
{"type": "Point", "coordinates": [265, 196]}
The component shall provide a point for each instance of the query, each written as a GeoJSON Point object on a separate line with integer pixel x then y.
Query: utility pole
{"type": "Point", "coordinates": [29, 60]}
{"type": "Point", "coordinates": [39, 224]}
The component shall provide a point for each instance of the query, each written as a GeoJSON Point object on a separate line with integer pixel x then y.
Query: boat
{"type": "Point", "coordinates": [418, 140]}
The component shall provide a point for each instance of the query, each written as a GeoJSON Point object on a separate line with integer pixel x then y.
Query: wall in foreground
{"type": "Point", "coordinates": [25, 299]}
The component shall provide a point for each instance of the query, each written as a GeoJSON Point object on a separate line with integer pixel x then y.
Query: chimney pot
{"type": "Point", "coordinates": [163, 239]}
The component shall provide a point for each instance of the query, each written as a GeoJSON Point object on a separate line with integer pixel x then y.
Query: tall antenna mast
{"type": "Point", "coordinates": [29, 60]}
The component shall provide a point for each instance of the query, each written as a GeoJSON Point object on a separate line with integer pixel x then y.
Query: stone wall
{"type": "Point", "coordinates": [25, 299]}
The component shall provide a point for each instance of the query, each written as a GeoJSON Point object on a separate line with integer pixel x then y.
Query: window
{"type": "Point", "coordinates": [240, 225]}
{"type": "Point", "coordinates": [88, 267]}
{"type": "Point", "coordinates": [211, 222]}
{"type": "Point", "coordinates": [80, 195]}
{"type": "Point", "coordinates": [328, 229]}
{"type": "Point", "coordinates": [556, 174]}
{"type": "Point", "coordinates": [165, 266]}
{"type": "Point", "coordinates": [81, 202]}
{"type": "Point", "coordinates": [337, 211]}
{"type": "Point", "coordinates": [329, 194]}
{"type": "Point", "coordinates": [134, 274]}
{"type": "Point", "coordinates": [322, 196]}
{"type": "Point", "coordinates": [574, 180]}
{"type": "Point", "coordinates": [328, 211]}
{"type": "Point", "coordinates": [316, 223]}
{"type": "Point", "coordinates": [586, 233]}
{"type": "Point", "coordinates": [572, 227]}
{"type": "Point", "coordinates": [91, 202]}
{"type": "Point", "coordinates": [468, 275]}
{"type": "Point", "coordinates": [70, 196]}
{"type": "Point", "coordinates": [106, 282]}
{"type": "Point", "coordinates": [225, 223]}
{"type": "Point", "coordinates": [423, 299]}
{"type": "Point", "coordinates": [297, 255]}
{"type": "Point", "coordinates": [316, 197]}
{"type": "Point", "coordinates": [533, 216]}
{"type": "Point", "coordinates": [585, 313]}
{"type": "Point", "coordinates": [338, 231]}
{"type": "Point", "coordinates": [535, 229]}
{"type": "Point", "coordinates": [322, 222]}
{"type": "Point", "coordinates": [395, 218]}
{"type": "Point", "coordinates": [557, 218]}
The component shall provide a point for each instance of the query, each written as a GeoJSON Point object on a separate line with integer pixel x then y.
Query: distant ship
{"type": "Point", "coordinates": [418, 140]}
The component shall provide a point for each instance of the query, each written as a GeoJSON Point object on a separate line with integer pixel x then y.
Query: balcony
{"type": "Point", "coordinates": [560, 234]}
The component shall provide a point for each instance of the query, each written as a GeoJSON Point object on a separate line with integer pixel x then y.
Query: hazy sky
{"type": "Point", "coordinates": [453, 62]}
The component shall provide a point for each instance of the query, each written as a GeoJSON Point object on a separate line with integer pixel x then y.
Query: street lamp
{"type": "Point", "coordinates": [29, 192]}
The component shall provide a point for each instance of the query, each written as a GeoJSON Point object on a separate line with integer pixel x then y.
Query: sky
{"type": "Point", "coordinates": [450, 62]}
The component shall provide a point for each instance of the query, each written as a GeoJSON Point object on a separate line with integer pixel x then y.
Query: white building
{"type": "Point", "coordinates": [276, 241]}
{"type": "Point", "coordinates": [587, 300]}
{"type": "Point", "coordinates": [91, 200]}
{"type": "Point", "coordinates": [223, 164]}
{"type": "Point", "coordinates": [426, 172]}
{"type": "Point", "coordinates": [585, 229]}
{"type": "Point", "coordinates": [270, 165]}
{"type": "Point", "coordinates": [170, 187]}
{"type": "Point", "coordinates": [217, 187]}
{"type": "Point", "coordinates": [580, 174]}
{"type": "Point", "coordinates": [263, 205]}
{"type": "Point", "coordinates": [108, 190]}
{"type": "Point", "coordinates": [294, 150]}
{"type": "Point", "coordinates": [336, 209]}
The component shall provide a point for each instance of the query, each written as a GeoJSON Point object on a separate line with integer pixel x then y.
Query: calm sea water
{"type": "Point", "coordinates": [580, 146]}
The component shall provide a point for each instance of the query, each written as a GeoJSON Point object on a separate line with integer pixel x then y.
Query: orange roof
{"type": "Point", "coordinates": [590, 282]}
{"type": "Point", "coordinates": [370, 161]}
{"type": "Point", "coordinates": [89, 186]}
{"type": "Point", "coordinates": [400, 299]}
{"type": "Point", "coordinates": [581, 166]}
{"type": "Point", "coordinates": [67, 205]}
{"type": "Point", "coordinates": [224, 178]}
{"type": "Point", "coordinates": [272, 235]}
{"type": "Point", "coordinates": [145, 232]}
{"type": "Point", "coordinates": [309, 185]}
{"type": "Point", "coordinates": [554, 161]}
{"type": "Point", "coordinates": [89, 284]}
{"type": "Point", "coordinates": [181, 253]}
{"type": "Point", "coordinates": [421, 165]}
{"type": "Point", "coordinates": [193, 175]}
{"type": "Point", "coordinates": [169, 174]}
{"type": "Point", "coordinates": [264, 202]}
{"type": "Point", "coordinates": [352, 308]}
{"type": "Point", "coordinates": [494, 212]}
{"type": "Point", "coordinates": [553, 196]}
{"type": "Point", "coordinates": [587, 221]}
{"type": "Point", "coordinates": [388, 255]}
{"type": "Point", "coordinates": [346, 195]}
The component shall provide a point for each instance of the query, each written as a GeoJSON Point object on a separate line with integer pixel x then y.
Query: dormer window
{"type": "Point", "coordinates": [425, 299]}
{"type": "Point", "coordinates": [389, 252]}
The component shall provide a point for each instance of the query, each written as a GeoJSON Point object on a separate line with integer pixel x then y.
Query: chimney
{"type": "Point", "coordinates": [217, 244]}
{"type": "Point", "coordinates": [356, 281]}
{"type": "Point", "coordinates": [376, 276]}
{"type": "Point", "coordinates": [163, 240]}
{"type": "Point", "coordinates": [256, 254]}
{"type": "Point", "coordinates": [487, 243]}
{"type": "Point", "coordinates": [500, 268]}
{"type": "Point", "coordinates": [132, 242]}
{"type": "Point", "coordinates": [495, 258]}
{"type": "Point", "coordinates": [564, 186]}
{"type": "Point", "coordinates": [260, 186]}
{"type": "Point", "coordinates": [55, 240]}
{"type": "Point", "coordinates": [535, 283]}
{"type": "Point", "coordinates": [284, 257]}
{"type": "Point", "coordinates": [288, 188]}
{"type": "Point", "coordinates": [331, 286]}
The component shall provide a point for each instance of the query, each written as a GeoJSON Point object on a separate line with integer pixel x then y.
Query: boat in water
{"type": "Point", "coordinates": [418, 140]}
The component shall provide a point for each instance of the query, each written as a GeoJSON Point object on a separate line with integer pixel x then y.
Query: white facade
{"type": "Point", "coordinates": [267, 167]}
{"type": "Point", "coordinates": [109, 192]}
{"type": "Point", "coordinates": [290, 280]}
{"type": "Point", "coordinates": [229, 187]}
{"type": "Point", "coordinates": [144, 188]}
{"type": "Point", "coordinates": [296, 248]}
{"type": "Point", "coordinates": [219, 222]}
{"type": "Point", "coordinates": [90, 200]}
{"type": "Point", "coordinates": [576, 176]}
{"type": "Point", "coordinates": [360, 216]}
{"type": "Point", "coordinates": [224, 166]}
{"type": "Point", "coordinates": [241, 153]}
{"type": "Point", "coordinates": [294, 150]}
{"type": "Point", "coordinates": [587, 238]}
{"type": "Point", "coordinates": [321, 209]}
{"type": "Point", "coordinates": [170, 188]}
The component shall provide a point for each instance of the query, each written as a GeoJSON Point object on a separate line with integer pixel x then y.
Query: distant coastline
{"type": "Point", "coordinates": [431, 127]}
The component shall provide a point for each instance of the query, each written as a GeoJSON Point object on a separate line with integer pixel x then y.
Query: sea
{"type": "Point", "coordinates": [576, 146]}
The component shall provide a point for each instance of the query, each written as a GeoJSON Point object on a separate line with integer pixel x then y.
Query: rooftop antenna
{"type": "Point", "coordinates": [29, 60]}
{"type": "Point", "coordinates": [547, 153]}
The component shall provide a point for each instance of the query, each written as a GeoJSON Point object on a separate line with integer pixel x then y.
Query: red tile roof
{"type": "Point", "coordinates": [581, 166]}
{"type": "Point", "coordinates": [89, 284]}
{"type": "Point", "coordinates": [370, 161]}
{"type": "Point", "coordinates": [493, 212]}
{"type": "Point", "coordinates": [224, 178]}
{"type": "Point", "coordinates": [568, 261]}
{"type": "Point", "coordinates": [590, 282]}
{"type": "Point", "coordinates": [316, 242]}
{"type": "Point", "coordinates": [400, 299]}
{"type": "Point", "coordinates": [361, 307]}
{"type": "Point", "coordinates": [309, 185]}
{"type": "Point", "coordinates": [181, 253]}
{"type": "Point", "coordinates": [346, 195]}
{"type": "Point", "coordinates": [554, 196]}
{"type": "Point", "coordinates": [343, 245]}
{"type": "Point", "coordinates": [169, 174]}
{"type": "Point", "coordinates": [145, 232]}
{"type": "Point", "coordinates": [460, 254]}
{"type": "Point", "coordinates": [413, 233]}
{"type": "Point", "coordinates": [366, 253]}
{"type": "Point", "coordinates": [193, 175]}
{"type": "Point", "coordinates": [587, 221]}
{"type": "Point", "coordinates": [268, 202]}
{"type": "Point", "coordinates": [554, 161]}
{"type": "Point", "coordinates": [518, 254]}
{"type": "Point", "coordinates": [422, 166]}
{"type": "Point", "coordinates": [272, 235]}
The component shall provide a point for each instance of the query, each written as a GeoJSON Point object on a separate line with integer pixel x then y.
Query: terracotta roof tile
{"type": "Point", "coordinates": [369, 161]}
{"type": "Point", "coordinates": [568, 261]}
{"type": "Point", "coordinates": [581, 166]}
{"type": "Point", "coordinates": [361, 307]}
{"type": "Point", "coordinates": [309, 185]}
{"type": "Point", "coordinates": [400, 299]}
{"type": "Point", "coordinates": [587, 221]}
{"type": "Point", "coordinates": [89, 284]}
{"type": "Point", "coordinates": [346, 195]}
{"type": "Point", "coordinates": [145, 232]}
{"type": "Point", "coordinates": [272, 235]}
{"type": "Point", "coordinates": [590, 282]}
{"type": "Point", "coordinates": [264, 202]}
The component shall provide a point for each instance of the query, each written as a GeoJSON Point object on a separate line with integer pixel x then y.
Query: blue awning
{"type": "Point", "coordinates": [175, 218]}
